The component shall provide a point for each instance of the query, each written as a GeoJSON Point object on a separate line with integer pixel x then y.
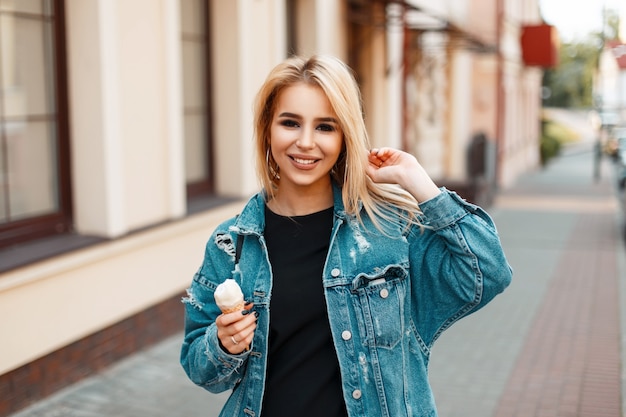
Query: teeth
{"type": "Point", "coordinates": [304, 161]}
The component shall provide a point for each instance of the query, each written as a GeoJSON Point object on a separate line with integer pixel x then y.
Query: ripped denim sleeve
{"type": "Point", "coordinates": [192, 300]}
{"type": "Point", "coordinates": [202, 358]}
{"type": "Point", "coordinates": [204, 361]}
{"type": "Point", "coordinates": [224, 241]}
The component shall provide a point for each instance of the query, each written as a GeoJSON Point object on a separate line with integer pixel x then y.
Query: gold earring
{"type": "Point", "coordinates": [272, 167]}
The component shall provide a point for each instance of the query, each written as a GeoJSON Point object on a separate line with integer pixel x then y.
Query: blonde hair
{"type": "Point", "coordinates": [380, 201]}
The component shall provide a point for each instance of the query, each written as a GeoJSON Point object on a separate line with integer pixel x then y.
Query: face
{"type": "Point", "coordinates": [305, 139]}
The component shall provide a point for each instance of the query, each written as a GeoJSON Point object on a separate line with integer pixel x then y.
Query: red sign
{"type": "Point", "coordinates": [540, 46]}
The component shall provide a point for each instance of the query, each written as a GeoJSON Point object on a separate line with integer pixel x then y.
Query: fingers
{"type": "Point", "coordinates": [243, 338]}
{"type": "Point", "coordinates": [376, 157]}
{"type": "Point", "coordinates": [229, 318]}
{"type": "Point", "coordinates": [380, 161]}
{"type": "Point", "coordinates": [381, 157]}
{"type": "Point", "coordinates": [235, 331]}
{"type": "Point", "coordinates": [239, 342]}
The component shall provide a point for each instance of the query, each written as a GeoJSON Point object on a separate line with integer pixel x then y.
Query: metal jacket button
{"type": "Point", "coordinates": [356, 394]}
{"type": "Point", "coordinates": [346, 335]}
{"type": "Point", "coordinates": [384, 293]}
{"type": "Point", "coordinates": [335, 272]}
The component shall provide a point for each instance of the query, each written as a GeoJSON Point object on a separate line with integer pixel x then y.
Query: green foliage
{"type": "Point", "coordinates": [549, 148]}
{"type": "Point", "coordinates": [611, 25]}
{"type": "Point", "coordinates": [560, 132]}
{"type": "Point", "coordinates": [570, 84]}
{"type": "Point", "coordinates": [553, 136]}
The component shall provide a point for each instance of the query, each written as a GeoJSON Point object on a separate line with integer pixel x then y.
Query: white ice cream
{"type": "Point", "coordinates": [228, 295]}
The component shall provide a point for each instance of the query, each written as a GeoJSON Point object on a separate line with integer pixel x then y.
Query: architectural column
{"type": "Point", "coordinates": [95, 120]}
{"type": "Point", "coordinates": [125, 114]}
{"type": "Point", "coordinates": [248, 38]}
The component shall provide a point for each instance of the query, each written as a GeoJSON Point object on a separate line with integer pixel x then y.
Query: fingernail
{"type": "Point", "coordinates": [245, 312]}
{"type": "Point", "coordinates": [256, 313]}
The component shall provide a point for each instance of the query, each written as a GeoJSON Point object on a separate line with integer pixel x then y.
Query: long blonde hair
{"type": "Point", "coordinates": [380, 201]}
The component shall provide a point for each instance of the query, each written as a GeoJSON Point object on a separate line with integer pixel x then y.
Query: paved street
{"type": "Point", "coordinates": [550, 346]}
{"type": "Point", "coordinates": [540, 349]}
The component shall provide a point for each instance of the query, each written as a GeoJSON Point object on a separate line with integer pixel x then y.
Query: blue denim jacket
{"type": "Point", "coordinates": [389, 297]}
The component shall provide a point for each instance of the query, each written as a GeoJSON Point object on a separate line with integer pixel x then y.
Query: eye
{"type": "Point", "coordinates": [325, 127]}
{"type": "Point", "coordinates": [289, 123]}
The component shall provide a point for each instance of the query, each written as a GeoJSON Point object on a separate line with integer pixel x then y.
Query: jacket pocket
{"type": "Point", "coordinates": [379, 298]}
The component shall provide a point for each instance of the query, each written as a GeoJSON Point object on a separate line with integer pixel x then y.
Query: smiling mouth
{"type": "Point", "coordinates": [304, 161]}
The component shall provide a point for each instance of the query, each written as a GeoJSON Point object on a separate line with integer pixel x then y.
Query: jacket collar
{"type": "Point", "coordinates": [252, 217]}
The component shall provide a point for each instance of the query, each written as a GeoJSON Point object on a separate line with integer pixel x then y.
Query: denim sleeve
{"type": "Point", "coordinates": [202, 358]}
{"type": "Point", "coordinates": [457, 262]}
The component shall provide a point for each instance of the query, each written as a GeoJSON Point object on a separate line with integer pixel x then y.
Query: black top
{"type": "Point", "coordinates": [303, 376]}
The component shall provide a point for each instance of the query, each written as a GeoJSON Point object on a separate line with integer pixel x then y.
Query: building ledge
{"type": "Point", "coordinates": [26, 263]}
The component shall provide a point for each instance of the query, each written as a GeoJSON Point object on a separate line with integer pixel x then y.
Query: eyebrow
{"type": "Point", "coordinates": [320, 119]}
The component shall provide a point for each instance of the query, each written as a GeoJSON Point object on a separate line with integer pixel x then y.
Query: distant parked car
{"type": "Point", "coordinates": [620, 161]}
{"type": "Point", "coordinates": [608, 119]}
{"type": "Point", "coordinates": [616, 144]}
{"type": "Point", "coordinates": [619, 156]}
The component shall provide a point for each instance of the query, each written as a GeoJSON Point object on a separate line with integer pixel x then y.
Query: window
{"type": "Point", "coordinates": [34, 144]}
{"type": "Point", "coordinates": [196, 93]}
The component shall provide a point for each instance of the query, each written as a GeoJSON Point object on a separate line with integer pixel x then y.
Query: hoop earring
{"type": "Point", "coordinates": [272, 167]}
{"type": "Point", "coordinates": [339, 169]}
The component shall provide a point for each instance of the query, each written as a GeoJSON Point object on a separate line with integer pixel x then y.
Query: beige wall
{"type": "Point", "coordinates": [454, 90]}
{"type": "Point", "coordinates": [126, 135]}
{"type": "Point", "coordinates": [248, 39]}
{"type": "Point", "coordinates": [460, 131]}
{"type": "Point", "coordinates": [484, 112]}
{"type": "Point", "coordinates": [320, 27]}
{"type": "Point", "coordinates": [522, 89]}
{"type": "Point", "coordinates": [378, 60]}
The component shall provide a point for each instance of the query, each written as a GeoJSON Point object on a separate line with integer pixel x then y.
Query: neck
{"type": "Point", "coordinates": [294, 203]}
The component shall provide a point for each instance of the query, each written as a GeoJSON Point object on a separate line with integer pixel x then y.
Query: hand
{"type": "Point", "coordinates": [393, 166]}
{"type": "Point", "coordinates": [235, 331]}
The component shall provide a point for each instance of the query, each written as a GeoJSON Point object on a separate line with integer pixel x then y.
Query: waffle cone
{"type": "Point", "coordinates": [232, 309]}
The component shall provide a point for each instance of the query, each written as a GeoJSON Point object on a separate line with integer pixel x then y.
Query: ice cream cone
{"type": "Point", "coordinates": [228, 296]}
{"type": "Point", "coordinates": [227, 310]}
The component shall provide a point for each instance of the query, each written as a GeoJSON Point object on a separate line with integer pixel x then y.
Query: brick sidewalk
{"type": "Point", "coordinates": [570, 363]}
{"type": "Point", "coordinates": [549, 346]}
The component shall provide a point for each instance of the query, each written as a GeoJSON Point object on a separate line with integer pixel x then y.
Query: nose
{"type": "Point", "coordinates": [306, 139]}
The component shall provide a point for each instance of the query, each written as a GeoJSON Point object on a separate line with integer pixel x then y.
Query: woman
{"type": "Point", "coordinates": [353, 263]}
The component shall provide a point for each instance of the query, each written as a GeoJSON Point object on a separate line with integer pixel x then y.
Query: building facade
{"type": "Point", "coordinates": [127, 137]}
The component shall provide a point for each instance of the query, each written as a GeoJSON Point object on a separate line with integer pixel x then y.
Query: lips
{"type": "Point", "coordinates": [303, 161]}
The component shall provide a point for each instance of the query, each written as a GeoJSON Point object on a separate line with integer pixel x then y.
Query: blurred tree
{"type": "Point", "coordinates": [570, 84]}
{"type": "Point", "coordinates": [611, 25]}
